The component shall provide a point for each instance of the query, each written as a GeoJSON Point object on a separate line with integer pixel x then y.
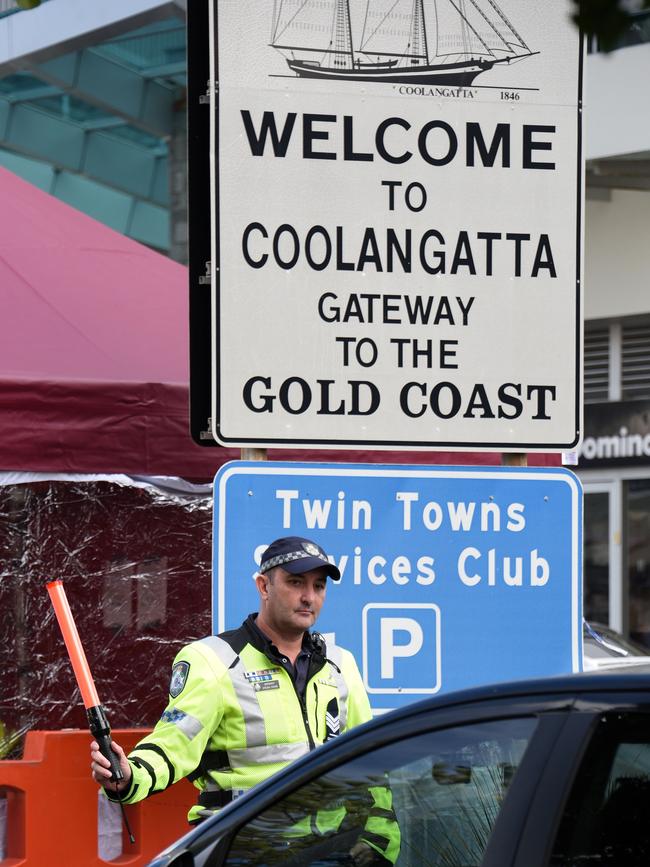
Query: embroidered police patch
{"type": "Point", "coordinates": [179, 678]}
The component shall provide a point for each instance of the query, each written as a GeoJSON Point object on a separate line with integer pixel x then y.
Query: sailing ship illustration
{"type": "Point", "coordinates": [442, 42]}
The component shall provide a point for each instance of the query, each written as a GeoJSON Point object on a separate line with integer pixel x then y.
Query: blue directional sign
{"type": "Point", "coordinates": [450, 576]}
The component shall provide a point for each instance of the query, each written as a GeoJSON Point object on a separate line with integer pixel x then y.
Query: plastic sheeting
{"type": "Point", "coordinates": [136, 562]}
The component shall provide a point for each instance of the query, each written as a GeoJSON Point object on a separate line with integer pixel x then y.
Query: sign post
{"type": "Point", "coordinates": [450, 577]}
{"type": "Point", "coordinates": [396, 224]}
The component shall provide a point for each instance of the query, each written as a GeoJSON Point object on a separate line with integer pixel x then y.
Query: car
{"type": "Point", "coordinates": [604, 648]}
{"type": "Point", "coordinates": [546, 773]}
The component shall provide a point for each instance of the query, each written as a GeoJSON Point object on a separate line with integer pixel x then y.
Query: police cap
{"type": "Point", "coordinates": [297, 555]}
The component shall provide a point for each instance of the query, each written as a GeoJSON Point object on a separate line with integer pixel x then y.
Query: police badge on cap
{"type": "Point", "coordinates": [297, 555]}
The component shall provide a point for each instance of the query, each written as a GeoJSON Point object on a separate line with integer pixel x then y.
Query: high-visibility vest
{"type": "Point", "coordinates": [234, 717]}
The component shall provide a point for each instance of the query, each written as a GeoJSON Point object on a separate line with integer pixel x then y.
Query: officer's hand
{"type": "Point", "coordinates": [101, 768]}
{"type": "Point", "coordinates": [363, 855]}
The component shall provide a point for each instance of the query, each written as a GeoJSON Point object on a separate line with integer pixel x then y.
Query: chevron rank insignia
{"type": "Point", "coordinates": [332, 720]}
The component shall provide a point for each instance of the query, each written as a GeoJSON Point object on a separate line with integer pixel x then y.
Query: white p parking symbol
{"type": "Point", "coordinates": [401, 648]}
{"type": "Point", "coordinates": [391, 649]}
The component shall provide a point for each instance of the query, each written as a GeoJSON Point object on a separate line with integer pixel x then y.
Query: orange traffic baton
{"type": "Point", "coordinates": [97, 719]}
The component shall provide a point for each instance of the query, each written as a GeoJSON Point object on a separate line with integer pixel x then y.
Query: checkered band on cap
{"type": "Point", "coordinates": [291, 556]}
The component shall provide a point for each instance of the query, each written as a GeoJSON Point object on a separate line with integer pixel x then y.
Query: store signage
{"type": "Point", "coordinates": [451, 577]}
{"type": "Point", "coordinates": [616, 434]}
{"type": "Point", "coordinates": [396, 224]}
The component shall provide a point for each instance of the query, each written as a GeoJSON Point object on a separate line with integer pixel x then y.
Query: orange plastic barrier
{"type": "Point", "coordinates": [52, 805]}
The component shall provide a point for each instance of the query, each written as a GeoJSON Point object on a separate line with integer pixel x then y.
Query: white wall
{"type": "Point", "coordinates": [616, 102]}
{"type": "Point", "coordinates": [617, 255]}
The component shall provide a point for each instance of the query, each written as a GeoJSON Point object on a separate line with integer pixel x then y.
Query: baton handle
{"type": "Point", "coordinates": [101, 731]}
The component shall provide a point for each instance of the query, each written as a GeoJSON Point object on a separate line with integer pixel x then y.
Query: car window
{"type": "Point", "coordinates": [607, 818]}
{"type": "Point", "coordinates": [425, 801]}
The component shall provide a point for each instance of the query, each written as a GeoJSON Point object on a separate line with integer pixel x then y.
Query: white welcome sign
{"type": "Point", "coordinates": [396, 223]}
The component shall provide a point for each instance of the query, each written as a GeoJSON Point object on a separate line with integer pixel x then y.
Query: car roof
{"type": "Point", "coordinates": [622, 680]}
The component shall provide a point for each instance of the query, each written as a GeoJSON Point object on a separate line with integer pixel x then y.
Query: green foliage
{"type": "Point", "coordinates": [8, 740]}
{"type": "Point", "coordinates": [605, 19]}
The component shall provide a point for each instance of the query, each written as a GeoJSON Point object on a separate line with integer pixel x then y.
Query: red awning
{"type": "Point", "coordinates": [94, 346]}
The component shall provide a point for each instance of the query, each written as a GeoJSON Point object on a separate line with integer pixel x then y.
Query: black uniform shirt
{"type": "Point", "coordinates": [298, 671]}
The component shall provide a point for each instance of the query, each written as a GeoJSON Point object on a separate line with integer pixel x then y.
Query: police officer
{"type": "Point", "coordinates": [245, 703]}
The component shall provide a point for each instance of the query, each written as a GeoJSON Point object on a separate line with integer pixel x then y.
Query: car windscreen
{"type": "Point", "coordinates": [430, 800]}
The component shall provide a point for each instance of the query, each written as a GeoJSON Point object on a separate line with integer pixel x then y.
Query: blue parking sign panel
{"type": "Point", "coordinates": [450, 576]}
{"type": "Point", "coordinates": [409, 638]}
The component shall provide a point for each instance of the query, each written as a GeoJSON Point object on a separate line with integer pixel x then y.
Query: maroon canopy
{"type": "Point", "coordinates": [94, 352]}
{"type": "Point", "coordinates": [94, 348]}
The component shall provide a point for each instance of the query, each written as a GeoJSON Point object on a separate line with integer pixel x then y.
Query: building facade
{"type": "Point", "coordinates": [614, 459]}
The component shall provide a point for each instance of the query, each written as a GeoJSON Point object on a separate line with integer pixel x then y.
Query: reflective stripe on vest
{"type": "Point", "coordinates": [221, 649]}
{"type": "Point", "coordinates": [247, 700]}
{"type": "Point", "coordinates": [249, 703]}
{"type": "Point", "coordinates": [270, 754]}
{"type": "Point", "coordinates": [185, 722]}
{"type": "Point", "coordinates": [336, 656]}
{"type": "Point", "coordinates": [189, 725]}
{"type": "Point", "coordinates": [257, 752]}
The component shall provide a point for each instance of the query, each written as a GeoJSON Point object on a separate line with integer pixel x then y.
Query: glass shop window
{"type": "Point", "coordinates": [638, 558]}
